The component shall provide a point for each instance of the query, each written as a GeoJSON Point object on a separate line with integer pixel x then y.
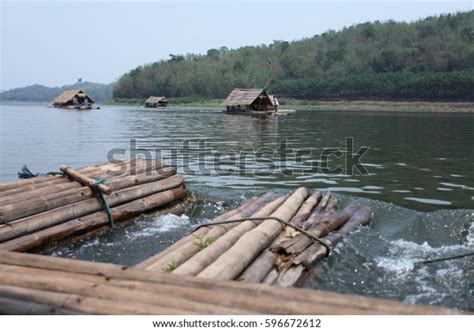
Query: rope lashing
{"type": "Point", "coordinates": [26, 173]}
{"type": "Point", "coordinates": [449, 258]}
{"type": "Point", "coordinates": [260, 219]}
{"type": "Point", "coordinates": [103, 200]}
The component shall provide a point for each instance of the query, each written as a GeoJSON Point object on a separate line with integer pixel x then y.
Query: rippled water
{"type": "Point", "coordinates": [420, 183]}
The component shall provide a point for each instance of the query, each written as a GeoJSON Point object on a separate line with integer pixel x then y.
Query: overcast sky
{"type": "Point", "coordinates": [54, 43]}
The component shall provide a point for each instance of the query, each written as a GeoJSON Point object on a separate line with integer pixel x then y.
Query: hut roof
{"type": "Point", "coordinates": [69, 95]}
{"type": "Point", "coordinates": [244, 97]}
{"type": "Point", "coordinates": [153, 99]}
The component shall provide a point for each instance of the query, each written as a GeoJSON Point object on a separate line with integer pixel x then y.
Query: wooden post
{"type": "Point", "coordinates": [84, 180]}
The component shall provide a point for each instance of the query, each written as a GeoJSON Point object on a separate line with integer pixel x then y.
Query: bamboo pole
{"type": "Point", "coordinates": [231, 264]}
{"type": "Point", "coordinates": [360, 218]}
{"type": "Point", "coordinates": [83, 304]}
{"type": "Point", "coordinates": [174, 207]}
{"type": "Point", "coordinates": [205, 257]}
{"type": "Point", "coordinates": [202, 231]}
{"type": "Point", "coordinates": [22, 209]}
{"type": "Point", "coordinates": [92, 221]}
{"type": "Point", "coordinates": [258, 270]}
{"type": "Point", "coordinates": [263, 264]}
{"type": "Point", "coordinates": [271, 277]}
{"type": "Point", "coordinates": [62, 214]}
{"type": "Point", "coordinates": [177, 257]}
{"type": "Point", "coordinates": [11, 306]}
{"type": "Point", "coordinates": [313, 202]}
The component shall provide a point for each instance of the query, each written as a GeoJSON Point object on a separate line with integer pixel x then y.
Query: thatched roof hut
{"type": "Point", "coordinates": [248, 99]}
{"type": "Point", "coordinates": [73, 98]}
{"type": "Point", "coordinates": [153, 102]}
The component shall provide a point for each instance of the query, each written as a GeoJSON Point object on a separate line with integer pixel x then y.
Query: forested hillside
{"type": "Point", "coordinates": [431, 59]}
{"type": "Point", "coordinates": [99, 92]}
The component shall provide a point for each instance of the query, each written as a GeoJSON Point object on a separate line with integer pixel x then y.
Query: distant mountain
{"type": "Point", "coordinates": [99, 92]}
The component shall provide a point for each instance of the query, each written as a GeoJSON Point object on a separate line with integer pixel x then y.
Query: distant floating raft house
{"type": "Point", "coordinates": [155, 102]}
{"type": "Point", "coordinates": [272, 98]}
{"type": "Point", "coordinates": [248, 101]}
{"type": "Point", "coordinates": [73, 99]}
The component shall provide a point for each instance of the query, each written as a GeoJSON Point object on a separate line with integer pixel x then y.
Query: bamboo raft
{"type": "Point", "coordinates": [268, 251]}
{"type": "Point", "coordinates": [34, 284]}
{"type": "Point", "coordinates": [276, 241]}
{"type": "Point", "coordinates": [260, 112]}
{"type": "Point", "coordinates": [43, 210]}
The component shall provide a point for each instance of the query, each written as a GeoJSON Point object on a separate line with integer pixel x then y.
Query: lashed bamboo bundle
{"type": "Point", "coordinates": [295, 234]}
{"type": "Point", "coordinates": [38, 284]}
{"type": "Point", "coordinates": [52, 212]}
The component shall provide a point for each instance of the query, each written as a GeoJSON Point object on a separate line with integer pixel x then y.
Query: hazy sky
{"type": "Point", "coordinates": [53, 43]}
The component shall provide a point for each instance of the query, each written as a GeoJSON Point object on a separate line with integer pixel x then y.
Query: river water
{"type": "Point", "coordinates": [416, 174]}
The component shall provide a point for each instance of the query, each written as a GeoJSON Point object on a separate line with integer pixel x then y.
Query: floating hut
{"type": "Point", "coordinates": [155, 102]}
{"type": "Point", "coordinates": [248, 101]}
{"type": "Point", "coordinates": [73, 99]}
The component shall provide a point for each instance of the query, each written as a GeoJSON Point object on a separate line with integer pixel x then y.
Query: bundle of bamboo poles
{"type": "Point", "coordinates": [280, 250]}
{"type": "Point", "coordinates": [35, 284]}
{"type": "Point", "coordinates": [46, 209]}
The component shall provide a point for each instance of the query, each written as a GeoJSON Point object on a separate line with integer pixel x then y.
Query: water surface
{"type": "Point", "coordinates": [420, 183]}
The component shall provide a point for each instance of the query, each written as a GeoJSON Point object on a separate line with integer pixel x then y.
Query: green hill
{"type": "Point", "coordinates": [430, 59]}
{"type": "Point", "coordinates": [100, 92]}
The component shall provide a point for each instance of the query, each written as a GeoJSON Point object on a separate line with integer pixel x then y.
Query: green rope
{"type": "Point", "coordinates": [26, 173]}
{"type": "Point", "coordinates": [312, 237]}
{"type": "Point", "coordinates": [103, 200]}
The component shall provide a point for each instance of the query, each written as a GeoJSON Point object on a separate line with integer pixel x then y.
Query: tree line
{"type": "Point", "coordinates": [430, 59]}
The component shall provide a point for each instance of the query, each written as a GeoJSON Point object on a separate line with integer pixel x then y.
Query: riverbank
{"type": "Point", "coordinates": [174, 102]}
{"type": "Point", "coordinates": [359, 105]}
{"type": "Point", "coordinates": [385, 106]}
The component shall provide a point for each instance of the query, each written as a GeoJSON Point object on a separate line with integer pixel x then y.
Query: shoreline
{"type": "Point", "coordinates": [313, 105]}
{"type": "Point", "coordinates": [355, 106]}
{"type": "Point", "coordinates": [382, 106]}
